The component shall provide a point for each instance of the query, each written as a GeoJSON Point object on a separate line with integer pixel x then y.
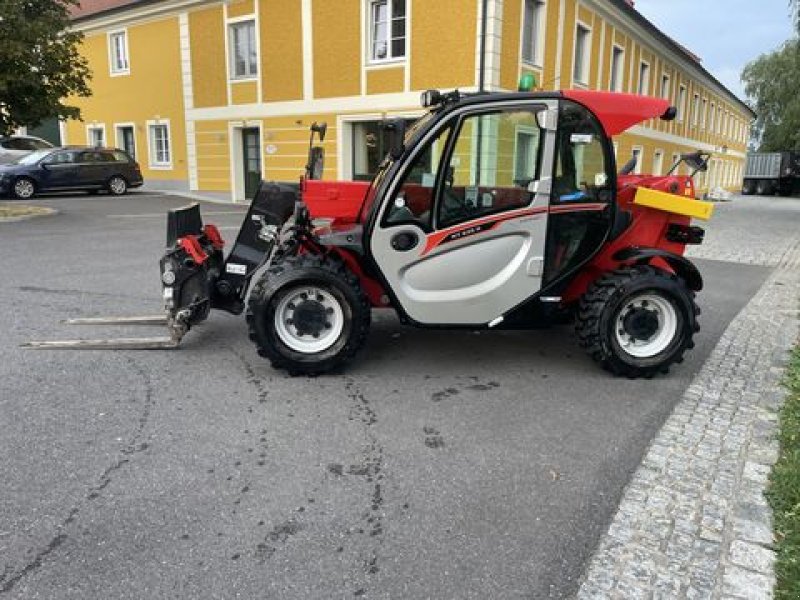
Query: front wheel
{"type": "Point", "coordinates": [308, 315]}
{"type": "Point", "coordinates": [24, 188]}
{"type": "Point", "coordinates": [637, 321]}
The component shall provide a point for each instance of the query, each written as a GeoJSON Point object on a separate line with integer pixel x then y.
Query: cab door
{"type": "Point", "coordinates": [461, 233]}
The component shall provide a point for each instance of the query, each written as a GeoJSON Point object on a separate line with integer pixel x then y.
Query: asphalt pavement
{"type": "Point", "coordinates": [440, 465]}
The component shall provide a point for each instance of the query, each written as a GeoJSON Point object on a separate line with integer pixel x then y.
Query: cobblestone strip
{"type": "Point", "coordinates": [693, 521]}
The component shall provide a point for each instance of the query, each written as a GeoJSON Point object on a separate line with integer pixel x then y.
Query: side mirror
{"type": "Point", "coordinates": [320, 129]}
{"type": "Point", "coordinates": [397, 137]}
{"type": "Point", "coordinates": [697, 161]}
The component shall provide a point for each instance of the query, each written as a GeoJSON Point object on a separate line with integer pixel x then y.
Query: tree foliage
{"type": "Point", "coordinates": [772, 82]}
{"type": "Point", "coordinates": [40, 66]}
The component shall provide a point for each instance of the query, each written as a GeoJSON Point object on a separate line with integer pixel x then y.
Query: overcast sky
{"type": "Point", "coordinates": [727, 34]}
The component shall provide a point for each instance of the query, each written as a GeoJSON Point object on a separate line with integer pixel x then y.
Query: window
{"type": "Point", "coordinates": [118, 51]}
{"type": "Point", "coordinates": [665, 90]}
{"type": "Point", "coordinates": [126, 139]}
{"type": "Point", "coordinates": [696, 110]}
{"type": "Point", "coordinates": [370, 144]}
{"type": "Point", "coordinates": [160, 152]}
{"type": "Point", "coordinates": [681, 103]}
{"type": "Point", "coordinates": [676, 158]}
{"type": "Point", "coordinates": [532, 38]}
{"type": "Point", "coordinates": [60, 158]}
{"type": "Point", "coordinates": [644, 79]}
{"type": "Point", "coordinates": [638, 154]}
{"type": "Point", "coordinates": [580, 72]}
{"type": "Point", "coordinates": [712, 117]}
{"type": "Point", "coordinates": [658, 162]}
{"type": "Point", "coordinates": [243, 50]}
{"type": "Point", "coordinates": [387, 30]}
{"type": "Point", "coordinates": [617, 65]}
{"type": "Point", "coordinates": [96, 136]}
{"type": "Point", "coordinates": [490, 170]}
{"type": "Point", "coordinates": [525, 150]}
{"type": "Point", "coordinates": [719, 120]}
{"type": "Point", "coordinates": [704, 114]}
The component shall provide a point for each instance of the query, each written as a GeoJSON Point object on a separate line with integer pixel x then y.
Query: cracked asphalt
{"type": "Point", "coordinates": [440, 465]}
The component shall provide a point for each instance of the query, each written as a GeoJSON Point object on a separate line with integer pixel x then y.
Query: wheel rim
{"type": "Point", "coordinates": [309, 319]}
{"type": "Point", "coordinates": [646, 325]}
{"type": "Point", "coordinates": [117, 185]}
{"type": "Point", "coordinates": [23, 188]}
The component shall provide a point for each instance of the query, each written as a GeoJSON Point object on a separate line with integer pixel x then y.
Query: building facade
{"type": "Point", "coordinates": [211, 96]}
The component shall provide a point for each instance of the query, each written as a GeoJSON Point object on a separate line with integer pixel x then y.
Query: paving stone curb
{"type": "Point", "coordinates": [693, 522]}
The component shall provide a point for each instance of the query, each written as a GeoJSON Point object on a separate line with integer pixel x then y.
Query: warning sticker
{"type": "Point", "coordinates": [236, 269]}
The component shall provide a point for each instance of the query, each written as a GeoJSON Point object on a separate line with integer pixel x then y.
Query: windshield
{"type": "Point", "coordinates": [33, 157]}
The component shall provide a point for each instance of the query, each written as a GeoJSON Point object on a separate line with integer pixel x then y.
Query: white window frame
{"type": "Point", "coordinates": [230, 25]}
{"type": "Point", "coordinates": [152, 151]}
{"type": "Point", "coordinates": [682, 91]}
{"type": "Point", "coordinates": [538, 36]}
{"type": "Point", "coordinates": [703, 113]}
{"type": "Point", "coordinates": [720, 118]}
{"type": "Point", "coordinates": [113, 68]}
{"type": "Point", "coordinates": [644, 86]}
{"type": "Point", "coordinates": [658, 162]}
{"type": "Point", "coordinates": [617, 86]}
{"type": "Point", "coordinates": [524, 130]}
{"type": "Point", "coordinates": [639, 160]}
{"type": "Point", "coordinates": [666, 87]}
{"type": "Point", "coordinates": [118, 137]}
{"type": "Point", "coordinates": [389, 58]}
{"type": "Point", "coordinates": [712, 120]}
{"type": "Point", "coordinates": [101, 127]}
{"type": "Point", "coordinates": [585, 60]}
{"type": "Point", "coordinates": [695, 110]}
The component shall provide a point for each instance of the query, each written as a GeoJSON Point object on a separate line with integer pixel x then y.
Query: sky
{"type": "Point", "coordinates": [726, 34]}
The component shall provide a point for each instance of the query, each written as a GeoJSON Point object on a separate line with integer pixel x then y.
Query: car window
{"type": "Point", "coordinates": [33, 158]}
{"type": "Point", "coordinates": [120, 156]}
{"type": "Point", "coordinates": [59, 158]}
{"type": "Point", "coordinates": [40, 144]}
{"type": "Point", "coordinates": [87, 157]}
{"type": "Point", "coordinates": [104, 157]}
{"type": "Point", "coordinates": [20, 144]}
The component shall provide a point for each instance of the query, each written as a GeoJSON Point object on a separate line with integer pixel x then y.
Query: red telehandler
{"type": "Point", "coordinates": [493, 211]}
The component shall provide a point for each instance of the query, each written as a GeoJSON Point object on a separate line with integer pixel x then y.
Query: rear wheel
{"type": "Point", "coordinates": [117, 185]}
{"type": "Point", "coordinates": [764, 188]}
{"type": "Point", "coordinates": [637, 321]}
{"type": "Point", "coordinates": [24, 188]}
{"type": "Point", "coordinates": [308, 315]}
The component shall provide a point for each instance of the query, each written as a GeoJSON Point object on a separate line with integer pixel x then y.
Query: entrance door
{"type": "Point", "coordinates": [128, 141]}
{"type": "Point", "coordinates": [461, 238]}
{"type": "Point", "coordinates": [251, 155]}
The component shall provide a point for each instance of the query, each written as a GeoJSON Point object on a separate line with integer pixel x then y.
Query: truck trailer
{"type": "Point", "coordinates": [769, 173]}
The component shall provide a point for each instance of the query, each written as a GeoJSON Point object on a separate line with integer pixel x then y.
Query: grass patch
{"type": "Point", "coordinates": [12, 210]}
{"type": "Point", "coordinates": [784, 488]}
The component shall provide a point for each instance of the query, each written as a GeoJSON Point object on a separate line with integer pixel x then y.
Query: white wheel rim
{"type": "Point", "coordinates": [665, 333]}
{"type": "Point", "coordinates": [117, 185]}
{"type": "Point", "coordinates": [24, 188]}
{"type": "Point", "coordinates": [301, 341]}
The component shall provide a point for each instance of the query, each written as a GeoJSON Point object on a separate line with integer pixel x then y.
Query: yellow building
{"type": "Point", "coordinates": [213, 95]}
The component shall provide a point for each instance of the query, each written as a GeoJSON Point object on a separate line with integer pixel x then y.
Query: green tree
{"type": "Point", "coordinates": [40, 66]}
{"type": "Point", "coordinates": [772, 83]}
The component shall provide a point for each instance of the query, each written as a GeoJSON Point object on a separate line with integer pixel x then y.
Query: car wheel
{"type": "Point", "coordinates": [24, 188]}
{"type": "Point", "coordinates": [117, 185]}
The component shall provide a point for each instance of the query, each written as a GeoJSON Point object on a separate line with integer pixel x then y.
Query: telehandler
{"type": "Point", "coordinates": [492, 211]}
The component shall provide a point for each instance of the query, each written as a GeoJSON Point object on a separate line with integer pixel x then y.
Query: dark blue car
{"type": "Point", "coordinates": [73, 168]}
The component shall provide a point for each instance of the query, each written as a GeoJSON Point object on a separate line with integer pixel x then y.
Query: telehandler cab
{"type": "Point", "coordinates": [493, 211]}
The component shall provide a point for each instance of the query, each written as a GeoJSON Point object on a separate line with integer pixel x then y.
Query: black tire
{"type": "Point", "coordinates": [117, 185]}
{"type": "Point", "coordinates": [748, 187]}
{"type": "Point", "coordinates": [23, 188]}
{"type": "Point", "coordinates": [287, 277]}
{"type": "Point", "coordinates": [764, 188]}
{"type": "Point", "coordinates": [600, 311]}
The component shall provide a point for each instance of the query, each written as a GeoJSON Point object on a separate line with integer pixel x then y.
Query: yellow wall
{"type": "Point", "coordinates": [443, 44]}
{"type": "Point", "coordinates": [152, 90]}
{"type": "Point", "coordinates": [383, 81]}
{"type": "Point", "coordinates": [209, 72]}
{"type": "Point", "coordinates": [281, 50]}
{"type": "Point", "coordinates": [337, 48]}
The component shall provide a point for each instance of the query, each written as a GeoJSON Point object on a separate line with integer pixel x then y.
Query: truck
{"type": "Point", "coordinates": [769, 173]}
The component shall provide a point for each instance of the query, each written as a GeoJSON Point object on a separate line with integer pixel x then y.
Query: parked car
{"type": "Point", "coordinates": [73, 168]}
{"type": "Point", "coordinates": [16, 146]}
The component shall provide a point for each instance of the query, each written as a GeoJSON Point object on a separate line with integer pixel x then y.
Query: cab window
{"type": "Point", "coordinates": [414, 200]}
{"type": "Point", "coordinates": [495, 158]}
{"type": "Point", "coordinates": [59, 158]}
